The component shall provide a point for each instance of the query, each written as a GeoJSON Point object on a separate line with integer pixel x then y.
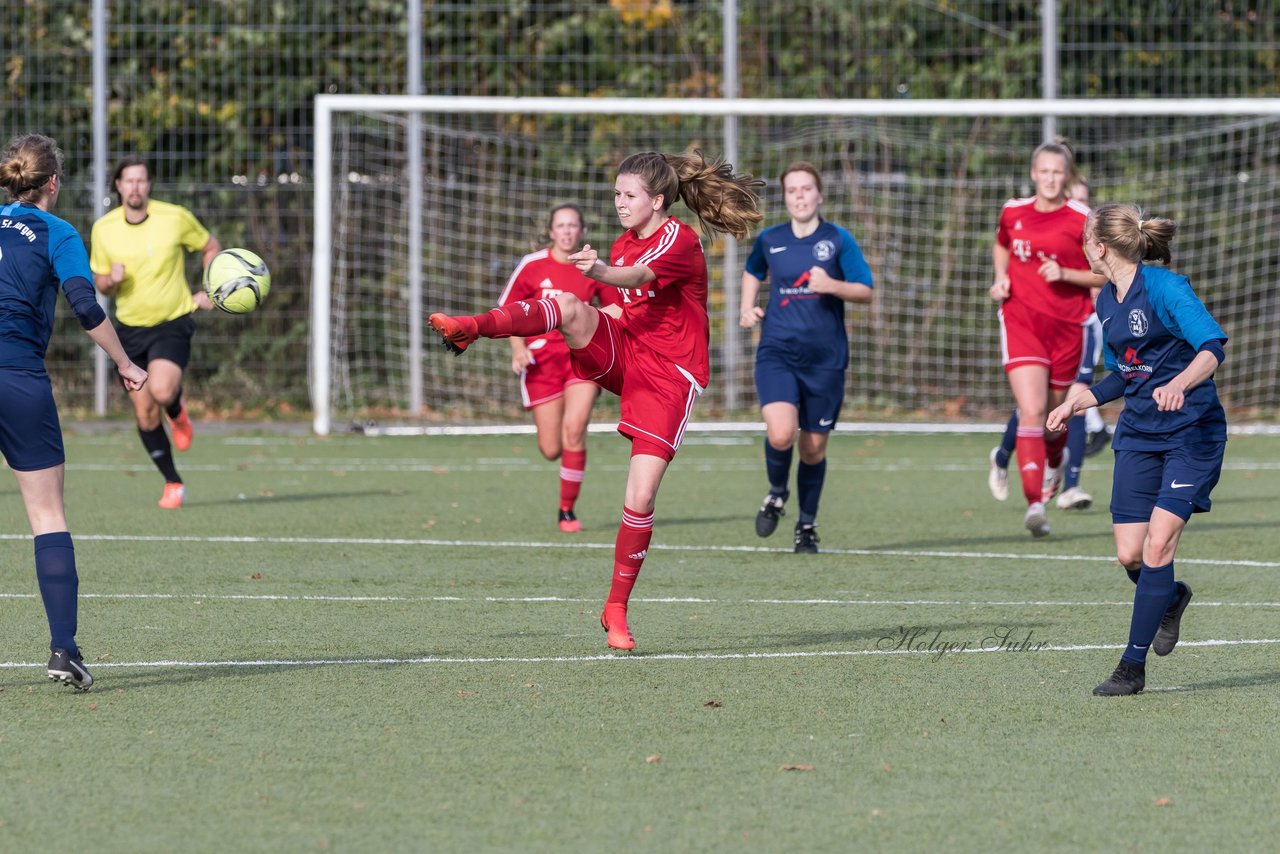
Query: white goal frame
{"type": "Point", "coordinates": [327, 105]}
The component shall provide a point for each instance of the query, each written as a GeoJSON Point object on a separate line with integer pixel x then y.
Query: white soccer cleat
{"type": "Point", "coordinates": [997, 478]}
{"type": "Point", "coordinates": [1053, 476]}
{"type": "Point", "coordinates": [1036, 520]}
{"type": "Point", "coordinates": [1074, 498]}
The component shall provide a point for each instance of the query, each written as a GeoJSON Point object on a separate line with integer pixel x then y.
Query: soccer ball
{"type": "Point", "coordinates": [237, 281]}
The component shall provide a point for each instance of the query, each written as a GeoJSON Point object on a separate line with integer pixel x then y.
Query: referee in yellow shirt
{"type": "Point", "coordinates": [138, 257]}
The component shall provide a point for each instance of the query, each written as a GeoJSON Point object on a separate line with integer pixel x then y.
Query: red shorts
{"type": "Point", "coordinates": [548, 375]}
{"type": "Point", "coordinates": [656, 397]}
{"type": "Point", "coordinates": [1028, 337]}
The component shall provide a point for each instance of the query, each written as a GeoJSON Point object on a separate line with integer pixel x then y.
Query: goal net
{"type": "Point", "coordinates": [405, 228]}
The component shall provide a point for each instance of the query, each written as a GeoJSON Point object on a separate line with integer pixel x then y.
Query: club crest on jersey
{"type": "Point", "coordinates": [1138, 322]}
{"type": "Point", "coordinates": [824, 250]}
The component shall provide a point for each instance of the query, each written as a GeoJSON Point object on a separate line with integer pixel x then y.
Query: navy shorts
{"type": "Point", "coordinates": [170, 340]}
{"type": "Point", "coordinates": [1178, 480]}
{"type": "Point", "coordinates": [818, 394]}
{"type": "Point", "coordinates": [30, 435]}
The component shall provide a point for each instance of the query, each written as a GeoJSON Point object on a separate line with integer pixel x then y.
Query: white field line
{"type": "Point", "coordinates": [513, 544]}
{"type": "Point", "coordinates": [662, 600]}
{"type": "Point", "coordinates": [640, 658]}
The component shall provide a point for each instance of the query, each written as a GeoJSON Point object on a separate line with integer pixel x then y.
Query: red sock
{"type": "Point", "coordinates": [629, 551]}
{"type": "Point", "coordinates": [1053, 446]}
{"type": "Point", "coordinates": [1030, 450]}
{"type": "Point", "coordinates": [522, 318]}
{"type": "Point", "coordinates": [572, 466]}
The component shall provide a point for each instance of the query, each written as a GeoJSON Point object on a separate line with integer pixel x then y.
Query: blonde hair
{"type": "Point", "coordinates": [29, 162]}
{"type": "Point", "coordinates": [722, 200]}
{"type": "Point", "coordinates": [1122, 228]}
{"type": "Point", "coordinates": [1063, 149]}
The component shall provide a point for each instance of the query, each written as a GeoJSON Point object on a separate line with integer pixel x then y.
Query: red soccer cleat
{"type": "Point", "coordinates": [183, 432]}
{"type": "Point", "coordinates": [174, 494]}
{"type": "Point", "coordinates": [455, 332]}
{"type": "Point", "coordinates": [568, 522]}
{"type": "Point", "coordinates": [614, 622]}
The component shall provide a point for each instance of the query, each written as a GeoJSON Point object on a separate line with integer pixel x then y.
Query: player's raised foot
{"type": "Point", "coordinates": [1053, 476]}
{"type": "Point", "coordinates": [1095, 442]}
{"type": "Point", "coordinates": [173, 496]}
{"type": "Point", "coordinates": [1171, 623]}
{"type": "Point", "coordinates": [806, 538]}
{"type": "Point", "coordinates": [1074, 498]}
{"type": "Point", "coordinates": [997, 477]}
{"type": "Point", "coordinates": [69, 669]}
{"type": "Point", "coordinates": [457, 332]}
{"type": "Point", "coordinates": [1127, 679]}
{"type": "Point", "coordinates": [182, 430]}
{"type": "Point", "coordinates": [771, 510]}
{"type": "Point", "coordinates": [1037, 520]}
{"type": "Point", "coordinates": [616, 632]}
{"type": "Point", "coordinates": [569, 523]}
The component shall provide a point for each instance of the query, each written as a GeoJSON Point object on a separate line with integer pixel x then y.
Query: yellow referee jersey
{"type": "Point", "coordinates": [153, 252]}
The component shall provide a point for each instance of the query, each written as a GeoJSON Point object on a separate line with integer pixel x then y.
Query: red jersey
{"type": "Point", "coordinates": [541, 276]}
{"type": "Point", "coordinates": [668, 314]}
{"type": "Point", "coordinates": [1033, 237]}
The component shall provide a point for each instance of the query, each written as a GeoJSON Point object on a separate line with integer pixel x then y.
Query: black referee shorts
{"type": "Point", "coordinates": [169, 340]}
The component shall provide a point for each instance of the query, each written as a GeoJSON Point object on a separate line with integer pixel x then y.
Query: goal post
{"type": "Point", "coordinates": [918, 183]}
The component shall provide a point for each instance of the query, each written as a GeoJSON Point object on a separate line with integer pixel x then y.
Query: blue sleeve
{"type": "Point", "coordinates": [1108, 388]}
{"type": "Point", "coordinates": [1181, 311]}
{"type": "Point", "coordinates": [1109, 357]}
{"type": "Point", "coordinates": [71, 264]}
{"type": "Point", "coordinates": [756, 264]}
{"type": "Point", "coordinates": [853, 265]}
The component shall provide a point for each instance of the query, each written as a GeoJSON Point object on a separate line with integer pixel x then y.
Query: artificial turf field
{"type": "Point", "coordinates": [360, 644]}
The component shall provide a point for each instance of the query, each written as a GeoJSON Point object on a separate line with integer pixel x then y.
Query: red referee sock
{"type": "Point", "coordinates": [522, 318]}
{"type": "Point", "coordinates": [572, 466]}
{"type": "Point", "coordinates": [629, 552]}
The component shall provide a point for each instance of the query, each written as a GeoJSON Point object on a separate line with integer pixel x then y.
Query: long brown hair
{"type": "Point", "coordinates": [29, 162]}
{"type": "Point", "coordinates": [723, 201]}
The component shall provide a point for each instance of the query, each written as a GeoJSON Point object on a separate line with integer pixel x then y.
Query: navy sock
{"type": "Point", "coordinates": [157, 444]}
{"type": "Point", "coordinates": [809, 480]}
{"type": "Point", "coordinates": [1008, 441]}
{"type": "Point", "coordinates": [56, 574]}
{"type": "Point", "coordinates": [1152, 598]}
{"type": "Point", "coordinates": [777, 465]}
{"type": "Point", "coordinates": [1077, 433]}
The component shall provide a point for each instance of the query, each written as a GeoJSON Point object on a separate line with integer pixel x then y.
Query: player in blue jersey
{"type": "Point", "coordinates": [814, 267]}
{"type": "Point", "coordinates": [38, 254]}
{"type": "Point", "coordinates": [1162, 347]}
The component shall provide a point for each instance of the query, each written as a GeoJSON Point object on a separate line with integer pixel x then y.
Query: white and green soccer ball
{"type": "Point", "coordinates": [237, 280]}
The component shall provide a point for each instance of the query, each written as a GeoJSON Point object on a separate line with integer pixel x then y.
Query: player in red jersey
{"type": "Point", "coordinates": [560, 400]}
{"type": "Point", "coordinates": [1042, 283]}
{"type": "Point", "coordinates": [652, 350]}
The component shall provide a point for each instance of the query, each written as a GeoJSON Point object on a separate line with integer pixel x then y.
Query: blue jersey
{"type": "Point", "coordinates": [39, 252]}
{"type": "Point", "coordinates": [803, 328]}
{"type": "Point", "coordinates": [1150, 338]}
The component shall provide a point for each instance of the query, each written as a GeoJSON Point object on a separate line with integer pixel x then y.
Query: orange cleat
{"type": "Point", "coordinates": [569, 523]}
{"type": "Point", "coordinates": [182, 431]}
{"type": "Point", "coordinates": [454, 332]}
{"type": "Point", "coordinates": [614, 622]}
{"type": "Point", "coordinates": [174, 493]}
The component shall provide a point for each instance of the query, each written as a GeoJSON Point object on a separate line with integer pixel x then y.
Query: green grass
{"type": "Point", "coordinates": [445, 684]}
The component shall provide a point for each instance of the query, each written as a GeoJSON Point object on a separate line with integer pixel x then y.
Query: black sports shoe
{"type": "Point", "coordinates": [806, 539]}
{"type": "Point", "coordinates": [1127, 679]}
{"type": "Point", "coordinates": [1167, 635]}
{"type": "Point", "coordinates": [1095, 442]}
{"type": "Point", "coordinates": [69, 669]}
{"type": "Point", "coordinates": [770, 511]}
